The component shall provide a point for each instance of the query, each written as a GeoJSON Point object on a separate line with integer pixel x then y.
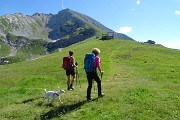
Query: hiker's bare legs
{"type": "Point", "coordinates": [68, 81]}
{"type": "Point", "coordinates": [73, 79]}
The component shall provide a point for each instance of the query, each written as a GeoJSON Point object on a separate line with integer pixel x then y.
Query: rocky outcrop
{"type": "Point", "coordinates": [62, 24]}
{"type": "Point", "coordinates": [72, 40]}
{"type": "Point", "coordinates": [16, 41]}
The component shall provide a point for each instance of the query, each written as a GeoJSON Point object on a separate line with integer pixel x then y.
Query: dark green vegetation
{"type": "Point", "coordinates": [141, 81]}
{"type": "Point", "coordinates": [4, 49]}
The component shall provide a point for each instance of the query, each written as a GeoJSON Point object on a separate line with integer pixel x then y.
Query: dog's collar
{"type": "Point", "coordinates": [55, 94]}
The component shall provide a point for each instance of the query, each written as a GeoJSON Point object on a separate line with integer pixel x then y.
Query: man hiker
{"type": "Point", "coordinates": [91, 64]}
{"type": "Point", "coordinates": [69, 65]}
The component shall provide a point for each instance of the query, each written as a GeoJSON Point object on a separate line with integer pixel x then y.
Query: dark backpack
{"type": "Point", "coordinates": [67, 63]}
{"type": "Point", "coordinates": [89, 62]}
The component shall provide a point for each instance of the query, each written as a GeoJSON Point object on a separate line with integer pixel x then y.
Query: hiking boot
{"type": "Point", "coordinates": [88, 100]}
{"type": "Point", "coordinates": [71, 87]}
{"type": "Point", "coordinates": [102, 94]}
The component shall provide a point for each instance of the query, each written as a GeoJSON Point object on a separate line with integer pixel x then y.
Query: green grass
{"type": "Point", "coordinates": [140, 82]}
{"type": "Point", "coordinates": [4, 49]}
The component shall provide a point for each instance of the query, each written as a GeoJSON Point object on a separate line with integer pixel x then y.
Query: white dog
{"type": "Point", "coordinates": [53, 94]}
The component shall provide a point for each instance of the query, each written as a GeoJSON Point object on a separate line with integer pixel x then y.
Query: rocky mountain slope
{"type": "Point", "coordinates": [25, 25]}
{"type": "Point", "coordinates": [55, 30]}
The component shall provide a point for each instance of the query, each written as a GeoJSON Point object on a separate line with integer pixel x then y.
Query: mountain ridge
{"type": "Point", "coordinates": [52, 31]}
{"type": "Point", "coordinates": [27, 25]}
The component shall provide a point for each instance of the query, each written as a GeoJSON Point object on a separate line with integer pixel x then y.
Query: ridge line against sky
{"type": "Point", "coordinates": [143, 20]}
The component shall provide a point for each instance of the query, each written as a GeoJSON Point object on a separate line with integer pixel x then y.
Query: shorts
{"type": "Point", "coordinates": [70, 72]}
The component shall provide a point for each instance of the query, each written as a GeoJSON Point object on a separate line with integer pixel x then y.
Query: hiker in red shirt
{"type": "Point", "coordinates": [68, 65]}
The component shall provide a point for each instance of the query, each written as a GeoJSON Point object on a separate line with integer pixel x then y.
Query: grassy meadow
{"type": "Point", "coordinates": [140, 81]}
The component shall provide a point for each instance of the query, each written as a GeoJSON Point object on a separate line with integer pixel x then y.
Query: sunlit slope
{"type": "Point", "coordinates": [141, 81]}
{"type": "Point", "coordinates": [4, 49]}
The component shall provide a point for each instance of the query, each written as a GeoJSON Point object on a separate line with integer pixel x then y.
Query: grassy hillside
{"type": "Point", "coordinates": [4, 49]}
{"type": "Point", "coordinates": [141, 81]}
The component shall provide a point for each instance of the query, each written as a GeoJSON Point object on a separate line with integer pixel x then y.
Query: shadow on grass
{"type": "Point", "coordinates": [63, 110]}
{"type": "Point", "coordinates": [29, 100]}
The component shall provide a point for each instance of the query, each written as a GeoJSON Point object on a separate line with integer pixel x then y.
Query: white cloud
{"type": "Point", "coordinates": [138, 2]}
{"type": "Point", "coordinates": [124, 30]}
{"type": "Point", "coordinates": [177, 12]}
{"type": "Point", "coordinates": [172, 44]}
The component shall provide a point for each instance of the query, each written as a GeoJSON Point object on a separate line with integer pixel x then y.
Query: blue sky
{"type": "Point", "coordinates": [157, 20]}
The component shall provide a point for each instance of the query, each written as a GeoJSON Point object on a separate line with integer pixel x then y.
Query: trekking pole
{"type": "Point", "coordinates": [77, 75]}
{"type": "Point", "coordinates": [101, 75]}
{"type": "Point", "coordinates": [76, 72]}
{"type": "Point", "coordinates": [94, 86]}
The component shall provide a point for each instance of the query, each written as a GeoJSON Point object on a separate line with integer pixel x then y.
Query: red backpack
{"type": "Point", "coordinates": [67, 63]}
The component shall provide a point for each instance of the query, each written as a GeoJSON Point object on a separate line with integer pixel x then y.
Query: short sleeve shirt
{"type": "Point", "coordinates": [97, 62]}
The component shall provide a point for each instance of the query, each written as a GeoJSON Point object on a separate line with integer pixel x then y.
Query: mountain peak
{"type": "Point", "coordinates": [67, 24]}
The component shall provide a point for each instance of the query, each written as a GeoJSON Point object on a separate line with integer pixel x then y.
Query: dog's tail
{"type": "Point", "coordinates": [45, 90]}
